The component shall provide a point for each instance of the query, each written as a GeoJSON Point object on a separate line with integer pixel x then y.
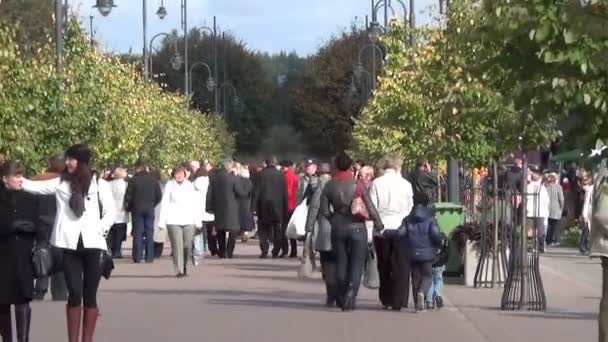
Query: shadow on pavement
{"type": "Point", "coordinates": [262, 267]}
{"type": "Point", "coordinates": [293, 278]}
{"type": "Point", "coordinates": [585, 316]}
{"type": "Point", "coordinates": [271, 293]}
{"type": "Point", "coordinates": [291, 305]}
{"type": "Point", "coordinates": [144, 276]}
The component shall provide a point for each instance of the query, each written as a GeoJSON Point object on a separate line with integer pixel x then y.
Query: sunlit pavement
{"type": "Point", "coordinates": [248, 299]}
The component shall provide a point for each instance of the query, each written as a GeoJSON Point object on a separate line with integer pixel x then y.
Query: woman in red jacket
{"type": "Point", "coordinates": [292, 181]}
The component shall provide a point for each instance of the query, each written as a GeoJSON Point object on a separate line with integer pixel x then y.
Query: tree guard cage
{"type": "Point", "coordinates": [523, 289]}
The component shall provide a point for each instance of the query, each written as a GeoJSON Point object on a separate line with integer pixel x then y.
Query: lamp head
{"type": "Point", "coordinates": [104, 6]}
{"type": "Point", "coordinates": [162, 12]}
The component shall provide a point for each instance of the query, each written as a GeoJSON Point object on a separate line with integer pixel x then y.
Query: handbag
{"type": "Point", "coordinates": [371, 278]}
{"type": "Point", "coordinates": [358, 207]}
{"type": "Point", "coordinates": [296, 228]}
{"type": "Point", "coordinates": [105, 260]}
{"type": "Point", "coordinates": [42, 260]}
{"type": "Point", "coordinates": [107, 264]}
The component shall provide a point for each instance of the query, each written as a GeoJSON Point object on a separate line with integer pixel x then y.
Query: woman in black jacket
{"type": "Point", "coordinates": [348, 232]}
{"type": "Point", "coordinates": [18, 230]}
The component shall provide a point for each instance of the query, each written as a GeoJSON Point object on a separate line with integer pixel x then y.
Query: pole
{"type": "Point", "coordinates": [91, 27]}
{"type": "Point", "coordinates": [495, 262]}
{"type": "Point", "coordinates": [216, 95]}
{"type": "Point", "coordinates": [453, 195]}
{"type": "Point", "coordinates": [523, 247]}
{"type": "Point", "coordinates": [145, 37]}
{"type": "Point", "coordinates": [186, 76]}
{"type": "Point", "coordinates": [386, 14]}
{"type": "Point", "coordinates": [412, 22]}
{"type": "Point", "coordinates": [59, 50]}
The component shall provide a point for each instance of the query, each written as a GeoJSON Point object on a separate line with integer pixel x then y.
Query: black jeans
{"type": "Point", "coordinates": [553, 231]}
{"type": "Point", "coordinates": [226, 245]}
{"type": "Point", "coordinates": [394, 272]}
{"type": "Point", "coordinates": [584, 243]}
{"type": "Point", "coordinates": [422, 276]}
{"type": "Point", "coordinates": [82, 269]}
{"type": "Point", "coordinates": [350, 249]}
{"type": "Point", "coordinates": [117, 234]}
{"type": "Point", "coordinates": [59, 291]}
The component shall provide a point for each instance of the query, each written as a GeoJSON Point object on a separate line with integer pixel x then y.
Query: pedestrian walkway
{"type": "Point", "coordinates": [248, 299]}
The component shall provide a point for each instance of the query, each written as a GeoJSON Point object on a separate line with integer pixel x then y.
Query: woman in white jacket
{"type": "Point", "coordinates": [180, 214]}
{"type": "Point", "coordinates": [80, 229]}
{"type": "Point", "coordinates": [118, 232]}
{"type": "Point", "coordinates": [537, 207]}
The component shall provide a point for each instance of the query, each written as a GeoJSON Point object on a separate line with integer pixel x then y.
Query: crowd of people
{"type": "Point", "coordinates": [83, 214]}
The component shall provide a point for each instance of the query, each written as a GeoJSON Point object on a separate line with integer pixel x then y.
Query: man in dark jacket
{"type": "Point", "coordinates": [142, 195]}
{"type": "Point", "coordinates": [224, 189]}
{"type": "Point", "coordinates": [420, 232]}
{"type": "Point", "coordinates": [423, 180]}
{"type": "Point", "coordinates": [270, 203]}
{"type": "Point", "coordinates": [47, 210]}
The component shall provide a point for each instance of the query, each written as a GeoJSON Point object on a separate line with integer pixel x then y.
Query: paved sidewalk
{"type": "Point", "coordinates": [248, 299]}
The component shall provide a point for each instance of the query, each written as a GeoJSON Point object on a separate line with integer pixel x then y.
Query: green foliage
{"type": "Point", "coordinates": [490, 78]}
{"type": "Point", "coordinates": [106, 104]}
{"type": "Point", "coordinates": [322, 100]}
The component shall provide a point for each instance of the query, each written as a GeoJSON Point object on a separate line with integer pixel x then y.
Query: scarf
{"type": "Point", "coordinates": [344, 176]}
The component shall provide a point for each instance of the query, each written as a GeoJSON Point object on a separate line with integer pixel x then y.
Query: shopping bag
{"type": "Point", "coordinates": [296, 228]}
{"type": "Point", "coordinates": [198, 249]}
{"type": "Point", "coordinates": [371, 278]}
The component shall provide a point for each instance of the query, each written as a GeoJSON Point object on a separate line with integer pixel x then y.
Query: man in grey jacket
{"type": "Point", "coordinates": [308, 181]}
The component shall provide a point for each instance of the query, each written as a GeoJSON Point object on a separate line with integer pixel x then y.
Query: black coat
{"type": "Point", "coordinates": [224, 189]}
{"type": "Point", "coordinates": [143, 193]}
{"type": "Point", "coordinates": [270, 197]}
{"type": "Point", "coordinates": [16, 270]}
{"type": "Point", "coordinates": [245, 214]}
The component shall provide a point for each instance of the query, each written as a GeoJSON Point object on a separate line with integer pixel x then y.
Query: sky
{"type": "Point", "coordinates": [265, 25]}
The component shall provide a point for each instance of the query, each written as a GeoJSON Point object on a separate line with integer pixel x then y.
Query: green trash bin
{"type": "Point", "coordinates": [449, 217]}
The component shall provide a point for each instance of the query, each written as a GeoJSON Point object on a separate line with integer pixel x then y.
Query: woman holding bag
{"type": "Point", "coordinates": [18, 230]}
{"type": "Point", "coordinates": [85, 213]}
{"type": "Point", "coordinates": [318, 230]}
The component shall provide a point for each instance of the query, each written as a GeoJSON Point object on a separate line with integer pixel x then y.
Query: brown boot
{"type": "Point", "coordinates": [88, 324]}
{"type": "Point", "coordinates": [74, 316]}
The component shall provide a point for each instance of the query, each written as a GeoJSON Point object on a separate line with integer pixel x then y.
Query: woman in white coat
{"type": "Point", "coordinates": [180, 214]}
{"type": "Point", "coordinates": [85, 213]}
{"type": "Point", "coordinates": [118, 232]}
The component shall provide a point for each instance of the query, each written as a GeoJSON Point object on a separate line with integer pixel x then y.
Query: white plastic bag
{"type": "Point", "coordinates": [198, 249]}
{"type": "Point", "coordinates": [296, 228]}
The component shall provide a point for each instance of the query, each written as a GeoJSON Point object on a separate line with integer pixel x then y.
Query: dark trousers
{"type": "Point", "coordinates": [226, 241]}
{"type": "Point", "coordinates": [394, 272]}
{"type": "Point", "coordinates": [116, 235]}
{"type": "Point", "coordinates": [209, 227]}
{"type": "Point", "coordinates": [82, 269]}
{"type": "Point", "coordinates": [422, 276]}
{"type": "Point", "coordinates": [276, 233]}
{"type": "Point", "coordinates": [553, 231]}
{"type": "Point", "coordinates": [23, 315]}
{"type": "Point", "coordinates": [603, 317]}
{"type": "Point", "coordinates": [328, 271]}
{"type": "Point", "coordinates": [143, 235]}
{"type": "Point", "coordinates": [350, 250]}
{"type": "Point", "coordinates": [584, 243]}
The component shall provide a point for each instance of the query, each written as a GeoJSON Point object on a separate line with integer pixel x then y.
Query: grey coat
{"type": "Point", "coordinates": [316, 224]}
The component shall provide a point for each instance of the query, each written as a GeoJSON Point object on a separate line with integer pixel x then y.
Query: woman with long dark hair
{"type": "Point", "coordinates": [18, 231]}
{"type": "Point", "coordinates": [85, 214]}
{"type": "Point", "coordinates": [348, 231]}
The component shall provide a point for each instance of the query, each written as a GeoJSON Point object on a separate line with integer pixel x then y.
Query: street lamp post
{"type": "Point", "coordinates": [210, 81]}
{"type": "Point", "coordinates": [376, 28]}
{"type": "Point", "coordinates": [185, 27]}
{"type": "Point", "coordinates": [359, 67]}
{"type": "Point", "coordinates": [213, 32]}
{"type": "Point", "coordinates": [176, 60]}
{"type": "Point", "coordinates": [236, 101]}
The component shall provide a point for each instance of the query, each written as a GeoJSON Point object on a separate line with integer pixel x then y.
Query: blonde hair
{"type": "Point", "coordinates": [367, 171]}
{"type": "Point", "coordinates": [119, 173]}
